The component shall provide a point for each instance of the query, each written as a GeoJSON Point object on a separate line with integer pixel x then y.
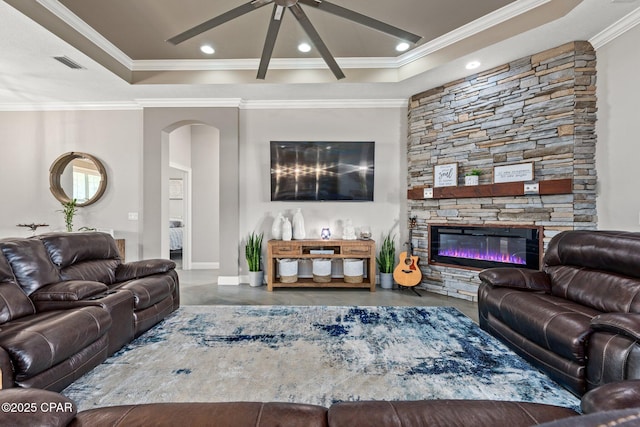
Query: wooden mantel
{"type": "Point", "coordinates": [547, 187]}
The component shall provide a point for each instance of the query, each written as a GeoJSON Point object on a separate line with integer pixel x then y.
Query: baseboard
{"type": "Point", "coordinates": [205, 265]}
{"type": "Point", "coordinates": [228, 280]}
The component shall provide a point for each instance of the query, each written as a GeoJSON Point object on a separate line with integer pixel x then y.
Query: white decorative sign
{"type": "Point", "coordinates": [513, 173]}
{"type": "Point", "coordinates": [445, 175]}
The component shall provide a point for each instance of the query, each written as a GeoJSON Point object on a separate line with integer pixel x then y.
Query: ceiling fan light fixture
{"type": "Point", "coordinates": [304, 47]}
{"type": "Point", "coordinates": [207, 49]}
{"type": "Point", "coordinates": [402, 47]}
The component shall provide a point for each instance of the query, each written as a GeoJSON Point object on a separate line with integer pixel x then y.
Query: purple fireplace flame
{"type": "Point", "coordinates": [487, 256]}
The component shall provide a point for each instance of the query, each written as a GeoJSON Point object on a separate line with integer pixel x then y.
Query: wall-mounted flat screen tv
{"type": "Point", "coordinates": [322, 171]}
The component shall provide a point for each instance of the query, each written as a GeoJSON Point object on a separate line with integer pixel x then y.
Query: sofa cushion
{"type": "Point", "coordinates": [594, 288]}
{"type": "Point", "coordinates": [38, 342]}
{"type": "Point", "coordinates": [102, 270]}
{"type": "Point", "coordinates": [66, 249]}
{"type": "Point", "coordinates": [30, 263]}
{"type": "Point", "coordinates": [612, 251]}
{"type": "Point", "coordinates": [14, 303]}
{"type": "Point", "coordinates": [71, 290]}
{"type": "Point", "coordinates": [555, 324]}
{"type": "Point", "coordinates": [219, 414]}
{"type": "Point", "coordinates": [83, 256]}
{"type": "Point", "coordinates": [149, 290]}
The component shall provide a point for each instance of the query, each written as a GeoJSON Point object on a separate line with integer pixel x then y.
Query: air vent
{"type": "Point", "coordinates": [68, 62]}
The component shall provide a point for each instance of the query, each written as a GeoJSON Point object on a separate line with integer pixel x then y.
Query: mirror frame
{"type": "Point", "coordinates": [57, 168]}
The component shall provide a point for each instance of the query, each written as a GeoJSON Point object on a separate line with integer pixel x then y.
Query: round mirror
{"type": "Point", "coordinates": [77, 176]}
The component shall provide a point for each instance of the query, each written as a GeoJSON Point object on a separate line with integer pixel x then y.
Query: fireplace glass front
{"type": "Point", "coordinates": [484, 247]}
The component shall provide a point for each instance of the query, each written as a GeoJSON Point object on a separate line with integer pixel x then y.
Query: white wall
{"type": "Point", "coordinates": [386, 126]}
{"type": "Point", "coordinates": [31, 141]}
{"type": "Point", "coordinates": [618, 147]}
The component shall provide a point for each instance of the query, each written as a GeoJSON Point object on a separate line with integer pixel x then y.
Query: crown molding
{"type": "Point", "coordinates": [288, 104]}
{"type": "Point", "coordinates": [71, 106]}
{"type": "Point", "coordinates": [277, 104]}
{"type": "Point", "coordinates": [615, 30]}
{"type": "Point", "coordinates": [492, 19]}
{"type": "Point", "coordinates": [71, 19]}
{"type": "Point", "coordinates": [189, 102]}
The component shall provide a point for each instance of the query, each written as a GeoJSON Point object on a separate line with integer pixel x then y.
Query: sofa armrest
{"type": "Point", "coordinates": [148, 267]}
{"type": "Point", "coordinates": [519, 278]}
{"type": "Point", "coordinates": [616, 395]}
{"type": "Point", "coordinates": [618, 323]}
{"type": "Point", "coordinates": [69, 290]}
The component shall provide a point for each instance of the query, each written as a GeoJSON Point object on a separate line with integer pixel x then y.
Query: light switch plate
{"type": "Point", "coordinates": [133, 216]}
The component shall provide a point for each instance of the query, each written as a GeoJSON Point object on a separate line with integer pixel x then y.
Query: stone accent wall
{"type": "Point", "coordinates": [539, 109]}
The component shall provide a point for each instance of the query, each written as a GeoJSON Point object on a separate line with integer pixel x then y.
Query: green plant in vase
{"type": "Point", "coordinates": [386, 260]}
{"type": "Point", "coordinates": [69, 209]}
{"type": "Point", "coordinates": [253, 254]}
{"type": "Point", "coordinates": [473, 177]}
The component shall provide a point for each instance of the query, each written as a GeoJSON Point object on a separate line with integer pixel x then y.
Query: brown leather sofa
{"type": "Point", "coordinates": [578, 319]}
{"type": "Point", "coordinates": [67, 302]}
{"type": "Point", "coordinates": [34, 408]}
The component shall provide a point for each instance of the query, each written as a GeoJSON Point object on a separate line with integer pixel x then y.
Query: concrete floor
{"type": "Point", "coordinates": [199, 287]}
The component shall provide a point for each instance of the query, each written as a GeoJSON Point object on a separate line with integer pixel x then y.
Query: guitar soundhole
{"type": "Point", "coordinates": [407, 261]}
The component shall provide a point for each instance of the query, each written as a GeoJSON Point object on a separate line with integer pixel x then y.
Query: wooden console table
{"type": "Point", "coordinates": [301, 249]}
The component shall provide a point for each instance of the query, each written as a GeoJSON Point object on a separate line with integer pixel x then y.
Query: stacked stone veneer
{"type": "Point", "coordinates": [539, 109]}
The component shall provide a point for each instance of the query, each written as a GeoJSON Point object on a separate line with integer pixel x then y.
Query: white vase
{"type": "Point", "coordinates": [298, 225]}
{"type": "Point", "coordinates": [276, 227]}
{"type": "Point", "coordinates": [471, 180]}
{"type": "Point", "coordinates": [287, 232]}
{"type": "Point", "coordinates": [256, 278]}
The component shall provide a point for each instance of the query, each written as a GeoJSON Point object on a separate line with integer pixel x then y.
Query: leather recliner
{"type": "Point", "coordinates": [578, 319]}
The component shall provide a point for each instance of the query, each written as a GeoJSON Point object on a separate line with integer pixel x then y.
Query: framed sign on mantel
{"type": "Point", "coordinates": [513, 173]}
{"type": "Point", "coordinates": [445, 175]}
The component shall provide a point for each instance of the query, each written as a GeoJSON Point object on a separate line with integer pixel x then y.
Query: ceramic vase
{"type": "Point", "coordinates": [256, 278]}
{"type": "Point", "coordinates": [287, 232]}
{"type": "Point", "coordinates": [276, 228]}
{"type": "Point", "coordinates": [298, 225]}
{"type": "Point", "coordinates": [386, 280]}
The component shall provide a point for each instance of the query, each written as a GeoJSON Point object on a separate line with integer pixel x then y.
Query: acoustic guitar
{"type": "Point", "coordinates": [407, 273]}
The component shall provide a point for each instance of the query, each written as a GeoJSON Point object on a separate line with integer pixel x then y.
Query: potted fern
{"type": "Point", "coordinates": [386, 259]}
{"type": "Point", "coordinates": [253, 254]}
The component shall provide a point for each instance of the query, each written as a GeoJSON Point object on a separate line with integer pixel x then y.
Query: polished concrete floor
{"type": "Point", "coordinates": [199, 287]}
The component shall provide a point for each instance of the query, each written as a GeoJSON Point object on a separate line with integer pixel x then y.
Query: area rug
{"type": "Point", "coordinates": [317, 355]}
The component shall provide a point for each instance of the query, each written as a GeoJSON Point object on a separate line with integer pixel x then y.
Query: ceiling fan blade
{"type": "Point", "coordinates": [270, 40]}
{"type": "Point", "coordinates": [362, 19]}
{"type": "Point", "coordinates": [218, 20]}
{"type": "Point", "coordinates": [315, 39]}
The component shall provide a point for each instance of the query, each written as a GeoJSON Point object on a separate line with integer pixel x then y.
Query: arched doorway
{"type": "Point", "coordinates": [193, 196]}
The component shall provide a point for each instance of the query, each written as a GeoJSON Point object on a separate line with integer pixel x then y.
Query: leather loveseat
{"type": "Point", "coordinates": [67, 302]}
{"type": "Point", "coordinates": [578, 319]}
{"type": "Point", "coordinates": [34, 408]}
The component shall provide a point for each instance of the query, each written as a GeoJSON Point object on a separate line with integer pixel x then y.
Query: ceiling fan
{"type": "Point", "coordinates": [274, 26]}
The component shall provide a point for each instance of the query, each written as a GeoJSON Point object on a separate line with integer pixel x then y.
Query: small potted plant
{"type": "Point", "coordinates": [253, 254]}
{"type": "Point", "coordinates": [69, 209]}
{"type": "Point", "coordinates": [386, 259]}
{"type": "Point", "coordinates": [472, 177]}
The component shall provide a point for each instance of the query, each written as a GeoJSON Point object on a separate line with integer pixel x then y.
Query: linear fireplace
{"type": "Point", "coordinates": [484, 247]}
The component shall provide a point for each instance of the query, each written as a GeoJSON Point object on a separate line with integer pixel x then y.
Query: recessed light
{"type": "Point", "coordinates": [402, 46]}
{"type": "Point", "coordinates": [472, 65]}
{"type": "Point", "coordinates": [205, 48]}
{"type": "Point", "coordinates": [304, 47]}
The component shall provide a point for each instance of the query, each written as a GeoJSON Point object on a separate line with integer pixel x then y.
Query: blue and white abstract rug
{"type": "Point", "coordinates": [316, 355]}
